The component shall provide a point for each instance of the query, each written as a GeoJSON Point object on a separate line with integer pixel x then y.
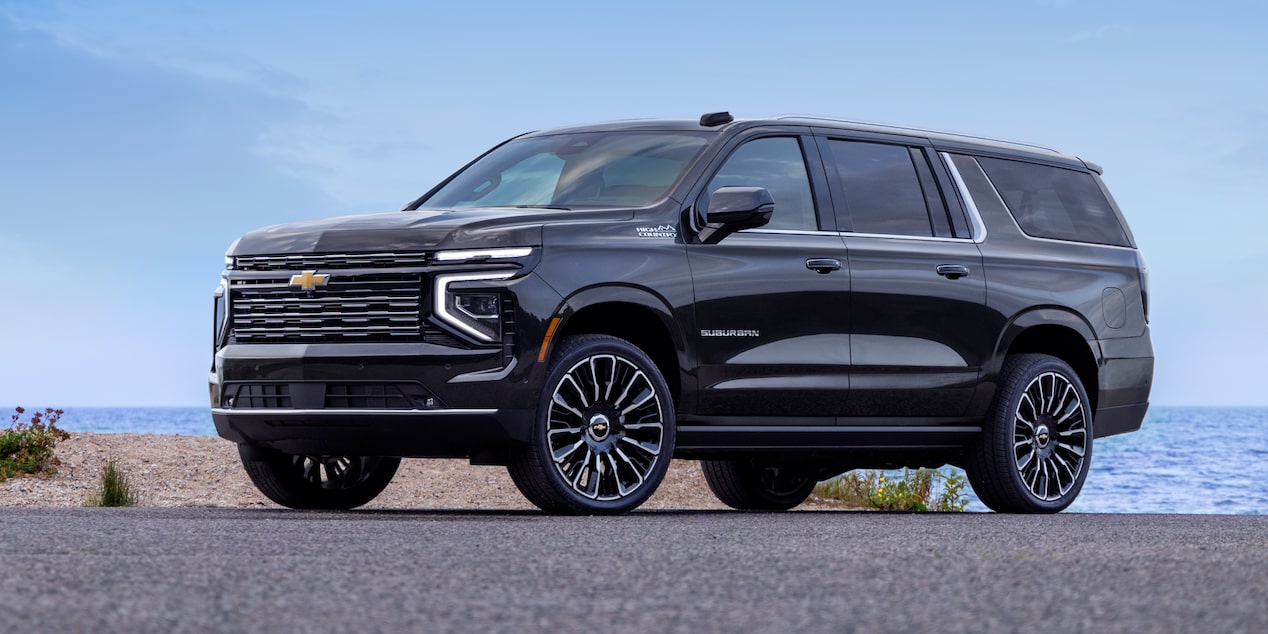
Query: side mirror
{"type": "Point", "coordinates": [734, 208]}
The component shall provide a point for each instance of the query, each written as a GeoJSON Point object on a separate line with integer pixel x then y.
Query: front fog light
{"type": "Point", "coordinates": [476, 312]}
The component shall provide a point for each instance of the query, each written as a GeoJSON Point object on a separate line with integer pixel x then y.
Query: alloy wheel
{"type": "Point", "coordinates": [333, 472]}
{"type": "Point", "coordinates": [606, 427]}
{"type": "Point", "coordinates": [1050, 436]}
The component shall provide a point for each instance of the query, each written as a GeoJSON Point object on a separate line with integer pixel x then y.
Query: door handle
{"type": "Point", "coordinates": [823, 265]}
{"type": "Point", "coordinates": [953, 271]}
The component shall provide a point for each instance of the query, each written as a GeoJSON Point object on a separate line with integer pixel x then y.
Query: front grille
{"type": "Point", "coordinates": [374, 307]}
{"type": "Point", "coordinates": [303, 261]}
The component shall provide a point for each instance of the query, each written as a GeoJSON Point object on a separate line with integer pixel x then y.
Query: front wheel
{"type": "Point", "coordinates": [604, 433]}
{"type": "Point", "coordinates": [317, 482]}
{"type": "Point", "coordinates": [748, 485]}
{"type": "Point", "coordinates": [1036, 444]}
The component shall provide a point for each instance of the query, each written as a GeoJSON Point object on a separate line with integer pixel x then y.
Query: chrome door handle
{"type": "Point", "coordinates": [953, 271]}
{"type": "Point", "coordinates": [823, 265]}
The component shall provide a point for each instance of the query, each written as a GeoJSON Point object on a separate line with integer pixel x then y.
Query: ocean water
{"type": "Point", "coordinates": [186, 421]}
{"type": "Point", "coordinates": [1183, 460]}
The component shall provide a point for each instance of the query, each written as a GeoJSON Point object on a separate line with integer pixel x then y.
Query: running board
{"type": "Point", "coordinates": [692, 438]}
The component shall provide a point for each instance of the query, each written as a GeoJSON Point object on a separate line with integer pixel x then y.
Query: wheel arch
{"type": "Point", "coordinates": [1059, 333]}
{"type": "Point", "coordinates": [630, 313]}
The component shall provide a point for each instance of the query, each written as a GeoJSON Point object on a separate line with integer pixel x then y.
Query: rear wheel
{"type": "Point", "coordinates": [748, 485]}
{"type": "Point", "coordinates": [604, 433]}
{"type": "Point", "coordinates": [1036, 445]}
{"type": "Point", "coordinates": [317, 482]}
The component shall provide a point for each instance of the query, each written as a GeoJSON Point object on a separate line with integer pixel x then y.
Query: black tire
{"type": "Point", "coordinates": [604, 433]}
{"type": "Point", "coordinates": [317, 482]}
{"type": "Point", "coordinates": [748, 485]}
{"type": "Point", "coordinates": [1036, 444]}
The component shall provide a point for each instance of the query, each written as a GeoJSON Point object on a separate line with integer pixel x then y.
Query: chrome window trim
{"type": "Point", "coordinates": [853, 234]}
{"type": "Point", "coordinates": [792, 232]}
{"type": "Point", "coordinates": [906, 237]}
{"type": "Point", "coordinates": [975, 217]}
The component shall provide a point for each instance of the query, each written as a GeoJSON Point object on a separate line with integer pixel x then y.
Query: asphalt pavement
{"type": "Point", "coordinates": [253, 570]}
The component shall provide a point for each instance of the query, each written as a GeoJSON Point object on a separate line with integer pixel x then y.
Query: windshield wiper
{"type": "Point", "coordinates": [541, 207]}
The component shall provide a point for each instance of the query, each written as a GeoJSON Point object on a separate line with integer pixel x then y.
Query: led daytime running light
{"type": "Point", "coordinates": [483, 254]}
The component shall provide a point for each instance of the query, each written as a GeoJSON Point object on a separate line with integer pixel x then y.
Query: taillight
{"type": "Point", "coordinates": [1143, 268]}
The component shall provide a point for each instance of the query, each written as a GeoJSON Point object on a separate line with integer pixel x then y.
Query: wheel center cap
{"type": "Point", "coordinates": [1043, 436]}
{"type": "Point", "coordinates": [600, 427]}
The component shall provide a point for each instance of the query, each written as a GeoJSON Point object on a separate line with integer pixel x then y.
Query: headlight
{"type": "Point", "coordinates": [220, 314]}
{"type": "Point", "coordinates": [476, 312]}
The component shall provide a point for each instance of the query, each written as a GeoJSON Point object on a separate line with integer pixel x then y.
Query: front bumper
{"type": "Point", "coordinates": [448, 433]}
{"type": "Point", "coordinates": [408, 400]}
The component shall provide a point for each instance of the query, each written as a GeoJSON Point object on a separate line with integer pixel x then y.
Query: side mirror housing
{"type": "Point", "coordinates": [734, 208]}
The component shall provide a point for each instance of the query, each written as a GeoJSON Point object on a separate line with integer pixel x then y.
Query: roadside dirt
{"type": "Point", "coordinates": [199, 471]}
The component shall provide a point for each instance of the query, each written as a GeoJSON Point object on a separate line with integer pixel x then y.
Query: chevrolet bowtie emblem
{"type": "Point", "coordinates": [308, 280]}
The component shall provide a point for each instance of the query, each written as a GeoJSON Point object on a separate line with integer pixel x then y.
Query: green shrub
{"type": "Point", "coordinates": [28, 447]}
{"type": "Point", "coordinates": [115, 489]}
{"type": "Point", "coordinates": [905, 490]}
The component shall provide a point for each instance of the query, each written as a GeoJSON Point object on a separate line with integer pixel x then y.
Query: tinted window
{"type": "Point", "coordinates": [883, 193]}
{"type": "Point", "coordinates": [777, 164]}
{"type": "Point", "coordinates": [598, 169]}
{"type": "Point", "coordinates": [1051, 202]}
{"type": "Point", "coordinates": [984, 198]}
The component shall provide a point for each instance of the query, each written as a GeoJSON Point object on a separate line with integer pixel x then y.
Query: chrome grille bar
{"type": "Point", "coordinates": [372, 306]}
{"type": "Point", "coordinates": [330, 261]}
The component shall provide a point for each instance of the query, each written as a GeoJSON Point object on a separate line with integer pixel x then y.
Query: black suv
{"type": "Point", "coordinates": [784, 299]}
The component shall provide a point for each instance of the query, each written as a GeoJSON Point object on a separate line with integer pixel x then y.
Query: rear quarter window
{"type": "Point", "coordinates": [1053, 202]}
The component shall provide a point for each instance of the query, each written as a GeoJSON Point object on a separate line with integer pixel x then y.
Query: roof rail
{"type": "Point", "coordinates": [876, 124]}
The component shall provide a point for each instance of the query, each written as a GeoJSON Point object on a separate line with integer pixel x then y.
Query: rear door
{"type": "Point", "coordinates": [918, 337]}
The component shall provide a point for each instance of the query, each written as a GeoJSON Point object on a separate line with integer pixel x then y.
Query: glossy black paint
{"type": "Point", "coordinates": [879, 355]}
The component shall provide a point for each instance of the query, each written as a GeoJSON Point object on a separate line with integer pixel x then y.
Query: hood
{"type": "Point", "coordinates": [413, 231]}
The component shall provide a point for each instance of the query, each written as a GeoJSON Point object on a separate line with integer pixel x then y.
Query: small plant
{"type": "Point", "coordinates": [27, 447]}
{"type": "Point", "coordinates": [115, 489]}
{"type": "Point", "coordinates": [905, 490]}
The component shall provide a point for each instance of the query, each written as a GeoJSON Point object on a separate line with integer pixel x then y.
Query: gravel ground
{"type": "Point", "coordinates": [200, 471]}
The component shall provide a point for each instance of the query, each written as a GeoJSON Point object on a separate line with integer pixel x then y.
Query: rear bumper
{"type": "Point", "coordinates": [1118, 420]}
{"type": "Point", "coordinates": [407, 433]}
{"type": "Point", "coordinates": [1126, 379]}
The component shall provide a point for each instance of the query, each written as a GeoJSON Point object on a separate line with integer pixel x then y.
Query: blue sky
{"type": "Point", "coordinates": [138, 139]}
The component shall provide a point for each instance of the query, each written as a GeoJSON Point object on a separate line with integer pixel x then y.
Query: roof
{"type": "Point", "coordinates": [937, 137]}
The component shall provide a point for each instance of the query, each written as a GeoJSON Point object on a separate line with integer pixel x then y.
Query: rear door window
{"type": "Point", "coordinates": [1053, 202]}
{"type": "Point", "coordinates": [888, 189]}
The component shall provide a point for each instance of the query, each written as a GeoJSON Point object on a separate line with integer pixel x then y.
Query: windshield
{"type": "Point", "coordinates": [592, 169]}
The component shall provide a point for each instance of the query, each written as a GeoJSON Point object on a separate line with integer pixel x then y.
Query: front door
{"type": "Point", "coordinates": [772, 303]}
